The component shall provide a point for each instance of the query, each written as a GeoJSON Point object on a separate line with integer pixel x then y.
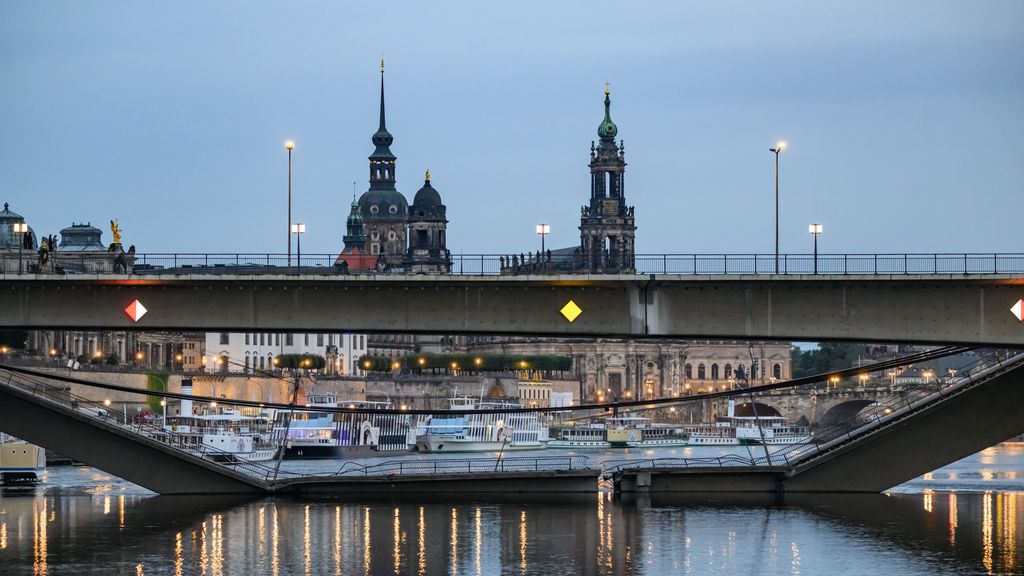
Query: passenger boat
{"type": "Point", "coordinates": [225, 435]}
{"type": "Point", "coordinates": [730, 430]}
{"type": "Point", "coordinates": [491, 431]}
{"type": "Point", "coordinates": [320, 434]}
{"type": "Point", "coordinates": [628, 431]}
{"type": "Point", "coordinates": [20, 461]}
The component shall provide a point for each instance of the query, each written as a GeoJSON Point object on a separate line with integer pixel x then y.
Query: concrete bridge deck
{"type": "Point", "coordinates": [933, 308]}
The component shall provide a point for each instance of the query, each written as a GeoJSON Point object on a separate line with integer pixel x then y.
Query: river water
{"type": "Point", "coordinates": [960, 519]}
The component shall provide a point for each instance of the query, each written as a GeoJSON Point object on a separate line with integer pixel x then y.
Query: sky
{"type": "Point", "coordinates": [904, 120]}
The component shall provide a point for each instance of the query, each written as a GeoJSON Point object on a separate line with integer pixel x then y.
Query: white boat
{"type": "Point", "coordinates": [628, 431]}
{"type": "Point", "coordinates": [491, 431]}
{"type": "Point", "coordinates": [227, 435]}
{"type": "Point", "coordinates": [318, 434]}
{"type": "Point", "coordinates": [224, 435]}
{"type": "Point", "coordinates": [730, 430]}
{"type": "Point", "coordinates": [19, 460]}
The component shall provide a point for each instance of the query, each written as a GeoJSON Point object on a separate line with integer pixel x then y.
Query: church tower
{"type": "Point", "coordinates": [354, 237]}
{"type": "Point", "coordinates": [383, 208]}
{"type": "Point", "coordinates": [428, 253]}
{"type": "Point", "coordinates": [607, 228]}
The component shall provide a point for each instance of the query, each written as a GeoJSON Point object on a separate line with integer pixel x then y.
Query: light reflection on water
{"type": "Point", "coordinates": [920, 528]}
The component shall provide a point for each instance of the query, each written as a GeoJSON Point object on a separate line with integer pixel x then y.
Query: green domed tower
{"type": "Point", "coordinates": [607, 227]}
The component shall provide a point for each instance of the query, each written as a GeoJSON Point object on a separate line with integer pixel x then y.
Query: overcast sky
{"type": "Point", "coordinates": [905, 120]}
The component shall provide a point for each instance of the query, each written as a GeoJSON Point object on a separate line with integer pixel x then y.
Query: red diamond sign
{"type": "Point", "coordinates": [135, 310]}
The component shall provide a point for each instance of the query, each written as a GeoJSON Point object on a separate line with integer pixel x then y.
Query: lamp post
{"type": "Point", "coordinates": [289, 145]}
{"type": "Point", "coordinates": [20, 228]}
{"type": "Point", "coordinates": [778, 148]}
{"type": "Point", "coordinates": [543, 230]}
{"type": "Point", "coordinates": [298, 229]}
{"type": "Point", "coordinates": [815, 230]}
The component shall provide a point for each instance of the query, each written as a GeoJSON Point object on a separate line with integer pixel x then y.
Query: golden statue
{"type": "Point", "coordinates": [116, 231]}
{"type": "Point", "coordinates": [428, 175]}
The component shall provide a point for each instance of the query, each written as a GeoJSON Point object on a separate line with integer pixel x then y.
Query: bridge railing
{"type": "Point", "coordinates": [466, 466]}
{"type": "Point", "coordinates": [540, 265]}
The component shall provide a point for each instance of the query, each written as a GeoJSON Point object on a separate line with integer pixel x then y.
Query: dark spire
{"type": "Point", "coordinates": [382, 139]}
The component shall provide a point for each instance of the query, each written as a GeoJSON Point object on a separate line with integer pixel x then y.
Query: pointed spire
{"type": "Point", "coordinates": [382, 139]}
{"type": "Point", "coordinates": [383, 127]}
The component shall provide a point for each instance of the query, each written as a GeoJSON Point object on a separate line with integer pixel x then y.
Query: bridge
{"type": "Point", "coordinates": [924, 427]}
{"type": "Point", "coordinates": [726, 300]}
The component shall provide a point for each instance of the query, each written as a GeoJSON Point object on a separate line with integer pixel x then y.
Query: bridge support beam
{"type": "Point", "coordinates": [111, 449]}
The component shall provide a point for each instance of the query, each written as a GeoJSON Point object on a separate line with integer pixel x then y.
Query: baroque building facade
{"type": "Point", "coordinates": [611, 369]}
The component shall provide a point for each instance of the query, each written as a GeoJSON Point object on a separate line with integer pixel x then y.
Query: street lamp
{"type": "Point", "coordinates": [543, 230]}
{"type": "Point", "coordinates": [20, 228]}
{"type": "Point", "coordinates": [298, 229]}
{"type": "Point", "coordinates": [815, 230]}
{"type": "Point", "coordinates": [779, 147]}
{"type": "Point", "coordinates": [289, 145]}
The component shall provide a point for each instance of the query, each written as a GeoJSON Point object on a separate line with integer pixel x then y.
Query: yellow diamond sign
{"type": "Point", "coordinates": [571, 311]}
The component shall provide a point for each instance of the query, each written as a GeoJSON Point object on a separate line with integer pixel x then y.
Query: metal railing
{"type": "Point", "coordinates": [540, 264]}
{"type": "Point", "coordinates": [467, 466]}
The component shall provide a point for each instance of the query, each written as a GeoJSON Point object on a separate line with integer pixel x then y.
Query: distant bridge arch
{"type": "Point", "coordinates": [747, 409]}
{"type": "Point", "coordinates": [844, 411]}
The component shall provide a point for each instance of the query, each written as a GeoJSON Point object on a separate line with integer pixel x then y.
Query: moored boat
{"type": "Point", "coordinates": [323, 434]}
{"type": "Point", "coordinates": [627, 431]}
{"type": "Point", "coordinates": [491, 431]}
{"type": "Point", "coordinates": [20, 461]}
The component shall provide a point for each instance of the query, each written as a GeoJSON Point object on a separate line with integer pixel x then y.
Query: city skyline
{"type": "Point", "coordinates": [894, 136]}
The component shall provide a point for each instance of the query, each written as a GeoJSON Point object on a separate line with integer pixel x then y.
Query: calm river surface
{"type": "Point", "coordinates": [961, 519]}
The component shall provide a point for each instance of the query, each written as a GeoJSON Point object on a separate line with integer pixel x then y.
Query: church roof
{"type": "Point", "coordinates": [357, 260]}
{"type": "Point", "coordinates": [6, 214]}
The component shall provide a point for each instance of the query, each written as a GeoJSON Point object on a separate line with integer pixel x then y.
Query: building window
{"type": "Point", "coordinates": [246, 361]}
{"type": "Point", "coordinates": [777, 371]}
{"type": "Point", "coordinates": [277, 339]}
{"type": "Point", "coordinates": [262, 338]}
{"type": "Point", "coordinates": [728, 371]}
{"type": "Point", "coordinates": [246, 338]}
{"type": "Point", "coordinates": [224, 337]}
{"type": "Point", "coordinates": [261, 362]}
{"type": "Point", "coordinates": [714, 371]}
{"type": "Point", "coordinates": [688, 371]}
{"type": "Point", "coordinates": [701, 374]}
{"type": "Point", "coordinates": [320, 340]}
{"type": "Point", "coordinates": [330, 339]}
{"type": "Point", "coordinates": [289, 340]}
{"type": "Point", "coordinates": [306, 339]}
